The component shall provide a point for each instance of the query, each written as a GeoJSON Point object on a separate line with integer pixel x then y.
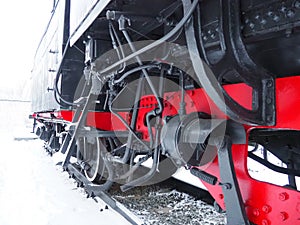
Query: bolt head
{"type": "Point", "coordinates": [269, 84]}
{"type": "Point", "coordinates": [265, 222]}
{"type": "Point", "coordinates": [221, 196]}
{"type": "Point", "coordinates": [266, 208]}
{"type": "Point", "coordinates": [276, 18]}
{"type": "Point", "coordinates": [283, 9]}
{"type": "Point", "coordinates": [256, 212]}
{"type": "Point", "coordinates": [252, 25]}
{"type": "Point", "coordinates": [283, 196]}
{"type": "Point", "coordinates": [283, 216]}
{"type": "Point", "coordinates": [270, 13]}
{"type": "Point", "coordinates": [263, 22]}
{"type": "Point", "coordinates": [290, 13]}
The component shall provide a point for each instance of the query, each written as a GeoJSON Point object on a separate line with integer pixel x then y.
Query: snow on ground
{"type": "Point", "coordinates": [35, 191]}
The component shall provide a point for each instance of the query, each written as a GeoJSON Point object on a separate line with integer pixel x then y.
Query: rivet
{"type": "Point", "coordinates": [266, 209]}
{"type": "Point", "coordinates": [263, 21]}
{"type": "Point", "coordinates": [228, 186]}
{"type": "Point", "coordinates": [256, 212]}
{"type": "Point", "coordinates": [283, 196]}
{"type": "Point", "coordinates": [270, 13]}
{"type": "Point", "coordinates": [205, 38]}
{"type": "Point", "coordinates": [283, 216]}
{"type": "Point", "coordinates": [252, 25]}
{"type": "Point", "coordinates": [265, 222]}
{"type": "Point", "coordinates": [297, 4]}
{"type": "Point", "coordinates": [269, 84]}
{"type": "Point", "coordinates": [290, 13]}
{"type": "Point", "coordinates": [283, 9]}
{"type": "Point", "coordinates": [269, 101]}
{"type": "Point", "coordinates": [276, 18]}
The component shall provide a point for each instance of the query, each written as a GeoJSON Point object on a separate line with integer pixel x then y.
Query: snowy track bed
{"type": "Point", "coordinates": [163, 205]}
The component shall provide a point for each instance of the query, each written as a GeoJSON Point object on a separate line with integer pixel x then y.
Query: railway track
{"type": "Point", "coordinates": [166, 203]}
{"type": "Point", "coordinates": [93, 191]}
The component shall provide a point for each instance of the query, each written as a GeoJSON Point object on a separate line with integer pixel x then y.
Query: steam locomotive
{"type": "Point", "coordinates": [178, 83]}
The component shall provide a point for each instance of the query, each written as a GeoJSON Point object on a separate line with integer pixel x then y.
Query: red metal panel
{"type": "Point", "coordinates": [266, 203]}
{"type": "Point", "coordinates": [107, 121]}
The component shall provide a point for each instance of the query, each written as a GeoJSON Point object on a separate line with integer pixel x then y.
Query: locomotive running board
{"type": "Point", "coordinates": [93, 190]}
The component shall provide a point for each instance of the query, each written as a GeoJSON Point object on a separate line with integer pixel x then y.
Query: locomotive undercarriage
{"type": "Point", "coordinates": [197, 96]}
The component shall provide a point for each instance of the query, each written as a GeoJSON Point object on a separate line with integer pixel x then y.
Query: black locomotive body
{"type": "Point", "coordinates": [200, 84]}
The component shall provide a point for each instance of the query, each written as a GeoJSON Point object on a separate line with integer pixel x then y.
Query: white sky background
{"type": "Point", "coordinates": [22, 23]}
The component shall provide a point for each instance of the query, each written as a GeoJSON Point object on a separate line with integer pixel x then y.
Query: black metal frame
{"type": "Point", "coordinates": [234, 62]}
{"type": "Point", "coordinates": [284, 144]}
{"type": "Point", "coordinates": [235, 208]}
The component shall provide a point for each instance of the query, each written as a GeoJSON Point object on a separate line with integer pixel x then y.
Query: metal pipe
{"type": "Point", "coordinates": [156, 154]}
{"type": "Point", "coordinates": [156, 111]}
{"type": "Point", "coordinates": [181, 110]}
{"type": "Point", "coordinates": [134, 70]}
{"type": "Point", "coordinates": [126, 156]}
{"type": "Point", "coordinates": [146, 177]}
{"type": "Point", "coordinates": [134, 168]}
{"type": "Point", "coordinates": [156, 43]}
{"type": "Point", "coordinates": [115, 38]}
{"type": "Point", "coordinates": [128, 127]}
